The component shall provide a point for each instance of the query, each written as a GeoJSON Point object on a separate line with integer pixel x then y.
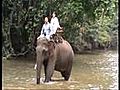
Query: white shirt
{"type": "Point", "coordinates": [54, 25]}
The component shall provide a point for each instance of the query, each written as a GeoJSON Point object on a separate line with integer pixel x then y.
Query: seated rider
{"type": "Point", "coordinates": [54, 24]}
{"type": "Point", "coordinates": [46, 31]}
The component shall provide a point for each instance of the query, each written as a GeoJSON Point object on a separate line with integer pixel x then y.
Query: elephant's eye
{"type": "Point", "coordinates": [44, 52]}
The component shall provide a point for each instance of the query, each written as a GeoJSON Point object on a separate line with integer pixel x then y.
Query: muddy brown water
{"type": "Point", "coordinates": [96, 71]}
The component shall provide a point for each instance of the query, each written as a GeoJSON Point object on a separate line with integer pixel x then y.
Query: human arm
{"type": "Point", "coordinates": [57, 23]}
{"type": "Point", "coordinates": [42, 30]}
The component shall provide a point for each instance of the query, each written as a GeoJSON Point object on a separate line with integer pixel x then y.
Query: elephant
{"type": "Point", "coordinates": [53, 56]}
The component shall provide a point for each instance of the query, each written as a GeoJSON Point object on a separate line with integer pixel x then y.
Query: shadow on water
{"type": "Point", "coordinates": [95, 71]}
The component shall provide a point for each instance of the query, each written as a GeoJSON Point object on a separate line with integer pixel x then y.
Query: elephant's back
{"type": "Point", "coordinates": [65, 47]}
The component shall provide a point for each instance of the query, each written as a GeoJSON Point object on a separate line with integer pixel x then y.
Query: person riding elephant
{"type": "Point", "coordinates": [54, 56]}
{"type": "Point", "coordinates": [46, 31]}
{"type": "Point", "coordinates": [54, 23]}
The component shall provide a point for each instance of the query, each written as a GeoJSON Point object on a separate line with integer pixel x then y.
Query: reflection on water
{"type": "Point", "coordinates": [90, 72]}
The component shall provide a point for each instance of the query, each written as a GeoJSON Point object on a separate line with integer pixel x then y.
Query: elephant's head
{"type": "Point", "coordinates": [44, 45]}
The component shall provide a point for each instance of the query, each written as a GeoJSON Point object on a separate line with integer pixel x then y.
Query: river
{"type": "Point", "coordinates": [94, 71]}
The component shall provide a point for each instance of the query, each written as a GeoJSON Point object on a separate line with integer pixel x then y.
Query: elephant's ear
{"type": "Point", "coordinates": [51, 48]}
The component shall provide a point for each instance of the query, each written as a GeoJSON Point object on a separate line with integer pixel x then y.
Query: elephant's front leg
{"type": "Point", "coordinates": [39, 64]}
{"type": "Point", "coordinates": [50, 69]}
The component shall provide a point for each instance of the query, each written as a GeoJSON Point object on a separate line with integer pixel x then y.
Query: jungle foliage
{"type": "Point", "coordinates": [88, 24]}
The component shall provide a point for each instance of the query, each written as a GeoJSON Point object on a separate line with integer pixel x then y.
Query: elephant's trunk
{"type": "Point", "coordinates": [39, 63]}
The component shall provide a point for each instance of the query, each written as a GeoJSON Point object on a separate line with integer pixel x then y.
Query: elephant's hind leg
{"type": "Point", "coordinates": [65, 75]}
{"type": "Point", "coordinates": [67, 72]}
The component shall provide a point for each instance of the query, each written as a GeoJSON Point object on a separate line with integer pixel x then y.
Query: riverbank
{"type": "Point", "coordinates": [95, 51]}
